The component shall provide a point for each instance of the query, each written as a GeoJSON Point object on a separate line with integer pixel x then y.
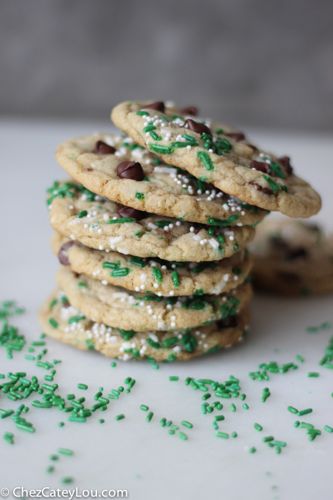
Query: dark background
{"type": "Point", "coordinates": [258, 62]}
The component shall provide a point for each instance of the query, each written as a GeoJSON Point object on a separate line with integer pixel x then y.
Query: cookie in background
{"type": "Point", "coordinates": [292, 257]}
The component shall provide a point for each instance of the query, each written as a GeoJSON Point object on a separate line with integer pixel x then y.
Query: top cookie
{"type": "Point", "coordinates": [218, 155]}
{"type": "Point", "coordinates": [115, 167]}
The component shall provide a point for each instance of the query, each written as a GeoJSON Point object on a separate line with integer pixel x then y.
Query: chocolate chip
{"type": "Point", "coordinates": [158, 105]}
{"type": "Point", "coordinates": [63, 253]}
{"type": "Point", "coordinates": [260, 165]}
{"type": "Point", "coordinates": [189, 110]}
{"type": "Point", "coordinates": [123, 211]}
{"type": "Point", "coordinates": [291, 278]}
{"type": "Point", "coordinates": [230, 322]}
{"type": "Point", "coordinates": [285, 162]}
{"type": "Point", "coordinates": [236, 136]}
{"type": "Point", "coordinates": [101, 148]}
{"type": "Point", "coordinates": [279, 243]}
{"type": "Point", "coordinates": [130, 170]}
{"type": "Point", "coordinates": [313, 227]}
{"type": "Point", "coordinates": [297, 253]}
{"type": "Point", "coordinates": [197, 127]}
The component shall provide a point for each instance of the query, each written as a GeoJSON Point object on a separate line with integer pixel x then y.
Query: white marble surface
{"type": "Point", "coordinates": [133, 454]}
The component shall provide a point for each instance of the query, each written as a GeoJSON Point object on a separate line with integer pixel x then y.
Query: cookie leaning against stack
{"type": "Point", "coordinates": [153, 252]}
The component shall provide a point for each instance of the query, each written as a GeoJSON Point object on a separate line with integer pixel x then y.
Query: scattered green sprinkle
{"type": "Point", "coordinates": [9, 437]}
{"type": "Point", "coordinates": [66, 452]}
{"type": "Point", "coordinates": [265, 394]}
{"type": "Point", "coordinates": [121, 416]}
{"type": "Point", "coordinates": [83, 387]}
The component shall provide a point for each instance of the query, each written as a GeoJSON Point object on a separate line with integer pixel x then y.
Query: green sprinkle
{"type": "Point", "coordinates": [157, 274]}
{"type": "Point", "coordinates": [144, 407]}
{"type": "Point", "coordinates": [54, 323]}
{"type": "Point", "coordinates": [173, 378]}
{"type": "Point", "coordinates": [160, 149]}
{"type": "Point", "coordinates": [187, 424]}
{"type": "Point", "coordinates": [252, 450]}
{"type": "Point", "coordinates": [110, 265]}
{"type": "Point", "coordinates": [149, 128]}
{"type": "Point", "coordinates": [79, 420]}
{"type": "Point", "coordinates": [328, 428]}
{"type": "Point", "coordinates": [5, 413]}
{"type": "Point", "coordinates": [265, 394]}
{"type": "Point", "coordinates": [301, 413]}
{"type": "Point", "coordinates": [139, 196]}
{"type": "Point", "coordinates": [276, 170]}
{"type": "Point", "coordinates": [293, 410]}
{"type": "Point", "coordinates": [149, 416]}
{"type": "Point", "coordinates": [66, 452]}
{"type": "Point", "coordinates": [175, 279]}
{"type": "Point", "coordinates": [212, 221]}
{"type": "Point", "coordinates": [190, 139]}
{"type": "Point", "coordinates": [205, 160]}
{"type": "Point", "coordinates": [155, 136]}
{"type": "Point", "coordinates": [183, 144]}
{"type": "Point", "coordinates": [137, 261]}
{"type": "Point", "coordinates": [9, 437]}
{"type": "Point", "coordinates": [313, 374]}
{"type": "Point", "coordinates": [126, 334]}
{"type": "Point", "coordinates": [82, 284]}
{"type": "Point", "coordinates": [275, 186]}
{"type": "Point", "coordinates": [219, 418]}
{"type": "Point", "coordinates": [83, 387]}
{"type": "Point", "coordinates": [182, 436]}
{"type": "Point", "coordinates": [50, 469]}
{"type": "Point", "coordinates": [67, 480]}
{"type": "Point", "coordinates": [121, 416]}
{"type": "Point", "coordinates": [121, 220]}
{"type": "Point", "coordinates": [139, 234]}
{"type": "Point", "coordinates": [233, 407]}
{"type": "Point", "coordinates": [113, 364]}
{"type": "Point", "coordinates": [75, 319]}
{"type": "Point", "coordinates": [223, 435]}
{"type": "Point", "coordinates": [258, 427]}
{"type": "Point", "coordinates": [245, 406]}
{"type": "Point", "coordinates": [300, 358]}
{"type": "Point", "coordinates": [142, 113]}
{"type": "Point", "coordinates": [81, 214]}
{"type": "Point", "coordinates": [120, 272]}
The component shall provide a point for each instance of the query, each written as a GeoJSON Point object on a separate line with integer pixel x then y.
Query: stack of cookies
{"type": "Point", "coordinates": [151, 232]}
